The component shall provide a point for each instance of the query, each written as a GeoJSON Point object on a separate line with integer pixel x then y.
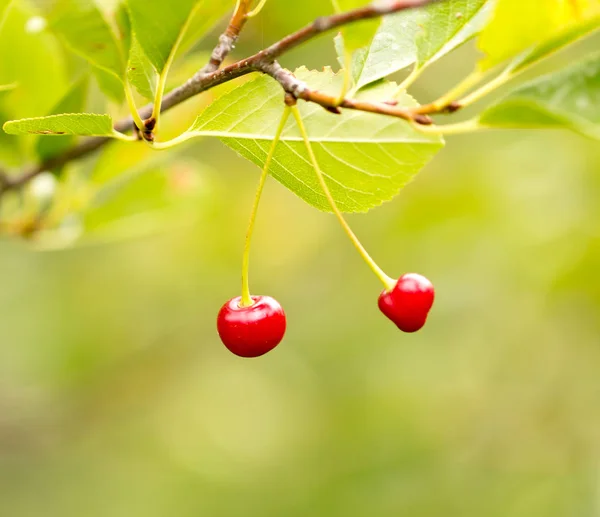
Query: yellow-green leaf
{"type": "Point", "coordinates": [520, 24]}
{"type": "Point", "coordinates": [366, 158]}
{"type": "Point", "coordinates": [83, 124]}
{"type": "Point", "coordinates": [568, 98]}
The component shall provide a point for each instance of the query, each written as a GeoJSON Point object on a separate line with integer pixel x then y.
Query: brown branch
{"type": "Point", "coordinates": [300, 90]}
{"type": "Point", "coordinates": [263, 61]}
{"type": "Point", "coordinates": [376, 9]}
{"type": "Point", "coordinates": [228, 39]}
{"type": "Point", "coordinates": [433, 108]}
{"type": "Point", "coordinates": [390, 108]}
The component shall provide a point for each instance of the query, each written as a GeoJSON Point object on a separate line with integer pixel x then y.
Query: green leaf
{"type": "Point", "coordinates": [358, 58]}
{"type": "Point", "coordinates": [140, 72]}
{"type": "Point", "coordinates": [83, 124]}
{"type": "Point", "coordinates": [448, 25]}
{"type": "Point", "coordinates": [83, 28]}
{"type": "Point", "coordinates": [554, 44]}
{"type": "Point", "coordinates": [123, 23]}
{"type": "Point", "coordinates": [421, 37]}
{"type": "Point", "coordinates": [520, 24]}
{"type": "Point", "coordinates": [158, 25]}
{"type": "Point", "coordinates": [73, 102]}
{"type": "Point", "coordinates": [138, 191]}
{"type": "Point", "coordinates": [147, 193]}
{"type": "Point", "coordinates": [569, 98]}
{"type": "Point", "coordinates": [366, 158]}
{"type": "Point", "coordinates": [203, 20]}
{"type": "Point", "coordinates": [35, 61]}
{"type": "Point", "coordinates": [356, 35]}
{"type": "Point", "coordinates": [110, 85]}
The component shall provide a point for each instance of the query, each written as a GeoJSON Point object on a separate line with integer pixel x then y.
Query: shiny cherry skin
{"type": "Point", "coordinates": [409, 302]}
{"type": "Point", "coordinates": [251, 331]}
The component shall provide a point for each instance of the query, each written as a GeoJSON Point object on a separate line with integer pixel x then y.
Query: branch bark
{"type": "Point", "coordinates": [228, 39]}
{"type": "Point", "coordinates": [264, 61]}
{"type": "Point", "coordinates": [332, 103]}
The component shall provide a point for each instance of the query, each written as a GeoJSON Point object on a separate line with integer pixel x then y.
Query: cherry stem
{"type": "Point", "coordinates": [257, 9]}
{"type": "Point", "coordinates": [387, 281]}
{"type": "Point", "coordinates": [246, 300]}
{"type": "Point", "coordinates": [132, 107]}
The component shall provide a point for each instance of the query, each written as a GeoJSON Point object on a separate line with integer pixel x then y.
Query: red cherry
{"type": "Point", "coordinates": [409, 302]}
{"type": "Point", "coordinates": [254, 330]}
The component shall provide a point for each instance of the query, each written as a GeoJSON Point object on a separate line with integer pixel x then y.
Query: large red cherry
{"type": "Point", "coordinates": [253, 330]}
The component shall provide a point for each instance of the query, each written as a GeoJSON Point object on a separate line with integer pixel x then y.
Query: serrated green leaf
{"type": "Point", "coordinates": [569, 98]}
{"type": "Point", "coordinates": [393, 48]}
{"type": "Point", "coordinates": [140, 72]}
{"type": "Point", "coordinates": [366, 158]}
{"type": "Point", "coordinates": [82, 124]}
{"type": "Point", "coordinates": [520, 24]}
{"type": "Point", "coordinates": [421, 37]}
{"type": "Point", "coordinates": [448, 25]}
{"type": "Point", "coordinates": [72, 102]}
{"type": "Point", "coordinates": [83, 28]}
{"type": "Point", "coordinates": [158, 25]}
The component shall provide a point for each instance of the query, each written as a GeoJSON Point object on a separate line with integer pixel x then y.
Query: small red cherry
{"type": "Point", "coordinates": [409, 302]}
{"type": "Point", "coordinates": [253, 330]}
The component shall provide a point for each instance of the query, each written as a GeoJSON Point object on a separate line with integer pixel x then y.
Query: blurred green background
{"type": "Point", "coordinates": [117, 398]}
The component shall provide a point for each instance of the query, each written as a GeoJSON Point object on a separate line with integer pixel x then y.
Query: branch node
{"type": "Point", "coordinates": [149, 124]}
{"type": "Point", "coordinates": [148, 132]}
{"type": "Point", "coordinates": [288, 81]}
{"type": "Point", "coordinates": [452, 107]}
{"type": "Point", "coordinates": [424, 120]}
{"type": "Point", "coordinates": [321, 24]}
{"type": "Point", "coordinates": [289, 99]}
{"type": "Point", "coordinates": [333, 109]}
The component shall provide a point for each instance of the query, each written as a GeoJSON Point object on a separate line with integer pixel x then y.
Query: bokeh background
{"type": "Point", "coordinates": [117, 398]}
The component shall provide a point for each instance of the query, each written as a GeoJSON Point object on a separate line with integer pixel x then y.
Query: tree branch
{"type": "Point", "coordinates": [264, 61]}
{"type": "Point", "coordinates": [376, 9]}
{"type": "Point", "coordinates": [300, 90]}
{"type": "Point", "coordinates": [228, 39]}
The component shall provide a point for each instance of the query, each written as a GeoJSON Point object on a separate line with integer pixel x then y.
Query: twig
{"type": "Point", "coordinates": [332, 103]}
{"type": "Point", "coordinates": [328, 23]}
{"type": "Point", "coordinates": [263, 61]}
{"type": "Point", "coordinates": [228, 39]}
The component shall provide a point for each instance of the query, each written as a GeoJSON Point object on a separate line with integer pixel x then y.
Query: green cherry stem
{"type": "Point", "coordinates": [131, 104]}
{"type": "Point", "coordinates": [162, 77]}
{"type": "Point", "coordinates": [124, 138]}
{"type": "Point", "coordinates": [246, 298]}
{"type": "Point", "coordinates": [257, 9]}
{"type": "Point", "coordinates": [387, 281]}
